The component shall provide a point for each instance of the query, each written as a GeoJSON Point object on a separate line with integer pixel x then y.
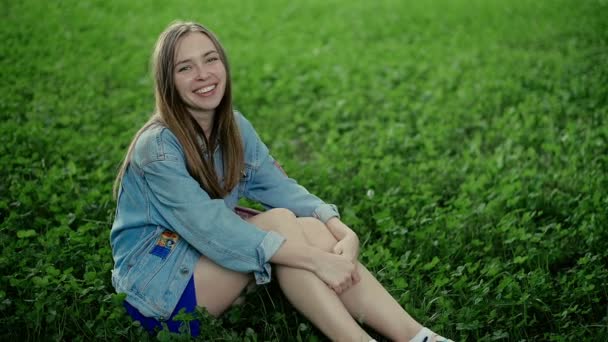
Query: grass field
{"type": "Point", "coordinates": [466, 142]}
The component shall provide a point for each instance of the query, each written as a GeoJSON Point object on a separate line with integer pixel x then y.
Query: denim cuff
{"type": "Point", "coordinates": [326, 211]}
{"type": "Point", "coordinates": [266, 249]}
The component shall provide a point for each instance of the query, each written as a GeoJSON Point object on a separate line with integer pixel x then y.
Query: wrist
{"type": "Point", "coordinates": [325, 212]}
{"type": "Point", "coordinates": [338, 229]}
{"type": "Point", "coordinates": [333, 221]}
{"type": "Point", "coordinates": [352, 235]}
{"type": "Point", "coordinates": [298, 255]}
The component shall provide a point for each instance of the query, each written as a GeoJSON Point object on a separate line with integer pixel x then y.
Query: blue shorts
{"type": "Point", "coordinates": [187, 301]}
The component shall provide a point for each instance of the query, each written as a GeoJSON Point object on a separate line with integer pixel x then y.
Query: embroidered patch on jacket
{"type": "Point", "coordinates": [165, 244]}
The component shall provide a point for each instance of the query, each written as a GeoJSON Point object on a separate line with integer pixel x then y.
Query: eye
{"type": "Point", "coordinates": [212, 59]}
{"type": "Point", "coordinates": [184, 68]}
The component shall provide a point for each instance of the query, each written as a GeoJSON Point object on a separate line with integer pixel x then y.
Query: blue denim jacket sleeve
{"type": "Point", "coordinates": [206, 224]}
{"type": "Point", "coordinates": [271, 187]}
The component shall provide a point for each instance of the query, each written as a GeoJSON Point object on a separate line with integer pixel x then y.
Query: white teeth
{"type": "Point", "coordinates": [206, 89]}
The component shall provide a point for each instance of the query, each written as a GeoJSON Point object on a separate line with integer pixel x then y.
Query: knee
{"type": "Point", "coordinates": [281, 214]}
{"type": "Point", "coordinates": [280, 220]}
{"type": "Point", "coordinates": [273, 219]}
{"type": "Point", "coordinates": [317, 233]}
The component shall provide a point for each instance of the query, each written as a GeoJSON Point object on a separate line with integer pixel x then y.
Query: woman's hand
{"type": "Point", "coordinates": [347, 245]}
{"type": "Point", "coordinates": [348, 242]}
{"type": "Point", "coordinates": [337, 271]}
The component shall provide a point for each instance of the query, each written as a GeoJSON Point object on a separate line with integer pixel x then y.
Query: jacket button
{"type": "Point", "coordinates": [184, 270]}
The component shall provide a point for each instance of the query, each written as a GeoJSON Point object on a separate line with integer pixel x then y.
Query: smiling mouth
{"type": "Point", "coordinates": [205, 90]}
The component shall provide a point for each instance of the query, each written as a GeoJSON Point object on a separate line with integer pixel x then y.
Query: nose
{"type": "Point", "coordinates": [202, 74]}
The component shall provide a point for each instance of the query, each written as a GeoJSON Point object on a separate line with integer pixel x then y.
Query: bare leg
{"type": "Point", "coordinates": [367, 300]}
{"type": "Point", "coordinates": [217, 287]}
{"type": "Point", "coordinates": [306, 292]}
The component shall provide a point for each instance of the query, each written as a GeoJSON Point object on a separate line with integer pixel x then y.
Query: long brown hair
{"type": "Point", "coordinates": [171, 112]}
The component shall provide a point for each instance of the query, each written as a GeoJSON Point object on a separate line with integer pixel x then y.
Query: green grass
{"type": "Point", "coordinates": [465, 141]}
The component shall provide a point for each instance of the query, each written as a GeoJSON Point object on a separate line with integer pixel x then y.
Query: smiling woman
{"type": "Point", "coordinates": [200, 77]}
{"type": "Point", "coordinates": [177, 242]}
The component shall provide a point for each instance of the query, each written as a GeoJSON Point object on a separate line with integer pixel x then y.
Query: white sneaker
{"type": "Point", "coordinates": [426, 335]}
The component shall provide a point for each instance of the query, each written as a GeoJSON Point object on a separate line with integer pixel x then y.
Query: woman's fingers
{"type": "Point", "coordinates": [356, 277]}
{"type": "Point", "coordinates": [348, 282]}
{"type": "Point", "coordinates": [338, 249]}
{"type": "Point", "coordinates": [338, 272]}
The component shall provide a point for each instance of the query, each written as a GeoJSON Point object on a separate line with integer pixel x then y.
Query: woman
{"type": "Point", "coordinates": [176, 240]}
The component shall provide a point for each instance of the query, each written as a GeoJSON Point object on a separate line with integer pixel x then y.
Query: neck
{"type": "Point", "coordinates": [205, 120]}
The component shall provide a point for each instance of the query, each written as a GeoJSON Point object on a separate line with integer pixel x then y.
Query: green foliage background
{"type": "Point", "coordinates": [465, 142]}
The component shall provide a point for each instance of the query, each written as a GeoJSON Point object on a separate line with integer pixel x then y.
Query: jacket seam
{"type": "Point", "coordinates": [159, 151]}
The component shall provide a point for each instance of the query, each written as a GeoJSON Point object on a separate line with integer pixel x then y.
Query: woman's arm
{"type": "Point", "coordinates": [180, 204]}
{"type": "Point", "coordinates": [270, 186]}
{"type": "Point", "coordinates": [337, 271]}
{"type": "Point", "coordinates": [215, 230]}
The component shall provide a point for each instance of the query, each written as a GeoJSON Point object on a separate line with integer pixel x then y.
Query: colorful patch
{"type": "Point", "coordinates": [165, 244]}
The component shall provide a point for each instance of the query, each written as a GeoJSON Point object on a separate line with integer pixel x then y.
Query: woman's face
{"type": "Point", "coordinates": [199, 73]}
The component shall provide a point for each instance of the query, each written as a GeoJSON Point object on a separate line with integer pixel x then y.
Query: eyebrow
{"type": "Point", "coordinates": [188, 59]}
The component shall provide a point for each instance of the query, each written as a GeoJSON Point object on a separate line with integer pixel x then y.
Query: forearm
{"type": "Point", "coordinates": [296, 254]}
{"type": "Point", "coordinates": [335, 270]}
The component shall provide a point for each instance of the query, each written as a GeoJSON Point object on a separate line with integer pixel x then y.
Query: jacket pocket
{"type": "Point", "coordinates": [142, 246]}
{"type": "Point", "coordinates": [155, 256]}
{"type": "Point", "coordinates": [122, 276]}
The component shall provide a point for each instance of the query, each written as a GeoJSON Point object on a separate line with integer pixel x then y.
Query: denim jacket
{"type": "Point", "coordinates": [164, 220]}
